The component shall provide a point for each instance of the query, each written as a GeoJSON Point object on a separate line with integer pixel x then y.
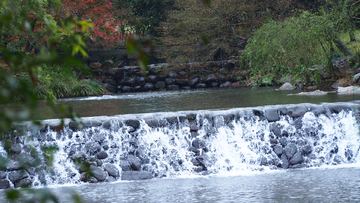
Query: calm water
{"type": "Point", "coordinates": [188, 100]}
{"type": "Point", "coordinates": [307, 185]}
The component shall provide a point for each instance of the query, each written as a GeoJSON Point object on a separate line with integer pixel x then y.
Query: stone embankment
{"type": "Point", "coordinates": [158, 77]}
{"type": "Point", "coordinates": [113, 148]}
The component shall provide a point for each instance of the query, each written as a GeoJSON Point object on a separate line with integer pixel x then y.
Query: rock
{"type": "Point", "coordinates": [193, 82]}
{"type": "Point", "coordinates": [276, 129]}
{"type": "Point", "coordinates": [210, 78]}
{"type": "Point", "coordinates": [109, 87]}
{"type": "Point", "coordinates": [135, 175]}
{"type": "Point", "coordinates": [140, 80]}
{"type": "Point", "coordinates": [342, 64]}
{"type": "Point", "coordinates": [307, 149]}
{"type": "Point", "coordinates": [273, 141]}
{"type": "Point", "coordinates": [356, 77]}
{"type": "Point", "coordinates": [225, 84]}
{"type": "Point", "coordinates": [290, 150]}
{"type": "Point", "coordinates": [170, 81]}
{"type": "Point", "coordinates": [173, 87]}
{"type": "Point", "coordinates": [348, 90]}
{"type": "Point", "coordinates": [214, 84]}
{"type": "Point", "coordinates": [272, 115]}
{"type": "Point", "coordinates": [16, 176]}
{"type": "Point", "coordinates": [287, 86]}
{"type": "Point", "coordinates": [278, 150]}
{"type": "Point", "coordinates": [95, 65]}
{"type": "Point", "coordinates": [133, 123]}
{"type": "Point", "coordinates": [313, 93]}
{"type": "Point", "coordinates": [92, 147]}
{"type": "Point", "coordinates": [201, 85]}
{"type": "Point", "coordinates": [13, 165]}
{"type": "Point", "coordinates": [296, 159]}
{"type": "Point", "coordinates": [336, 108]}
{"type": "Point", "coordinates": [285, 162]}
{"type": "Point", "coordinates": [172, 74]}
{"type": "Point", "coordinates": [283, 141]}
{"type": "Point", "coordinates": [193, 126]}
{"type": "Point", "coordinates": [152, 78]}
{"type": "Point", "coordinates": [112, 170]}
{"type": "Point", "coordinates": [194, 149]}
{"type": "Point", "coordinates": [101, 155]}
{"type": "Point", "coordinates": [107, 65]}
{"type": "Point", "coordinates": [110, 81]}
{"type": "Point", "coordinates": [3, 174]}
{"type": "Point", "coordinates": [110, 179]}
{"type": "Point", "coordinates": [125, 165]}
{"type": "Point", "coordinates": [118, 73]}
{"type": "Point", "coordinates": [197, 143]}
{"type": "Point", "coordinates": [128, 81]}
{"type": "Point", "coordinates": [338, 159]}
{"type": "Point", "coordinates": [342, 82]}
{"type": "Point", "coordinates": [98, 173]}
{"type": "Point", "coordinates": [23, 182]}
{"type": "Point", "coordinates": [180, 82]}
{"type": "Point", "coordinates": [148, 86]}
{"type": "Point", "coordinates": [4, 184]}
{"type": "Point", "coordinates": [160, 85]}
{"type": "Point", "coordinates": [297, 111]}
{"type": "Point", "coordinates": [16, 148]}
{"type": "Point", "coordinates": [134, 162]}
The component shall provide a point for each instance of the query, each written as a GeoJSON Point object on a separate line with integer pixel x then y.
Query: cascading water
{"type": "Point", "coordinates": [133, 147]}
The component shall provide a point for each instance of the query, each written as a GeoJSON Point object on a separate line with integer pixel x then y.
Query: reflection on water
{"type": "Point", "coordinates": [308, 185]}
{"type": "Point", "coordinates": [192, 100]}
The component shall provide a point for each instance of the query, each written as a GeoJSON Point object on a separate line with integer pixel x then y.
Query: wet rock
{"type": "Point", "coordinates": [195, 150]}
{"type": "Point", "coordinates": [290, 150]}
{"type": "Point", "coordinates": [287, 86]}
{"type": "Point", "coordinates": [307, 149]}
{"type": "Point", "coordinates": [148, 86]}
{"type": "Point", "coordinates": [152, 78]}
{"type": "Point", "coordinates": [112, 170]}
{"type": "Point", "coordinates": [109, 87]}
{"type": "Point", "coordinates": [16, 148]}
{"type": "Point", "coordinates": [193, 82]}
{"type": "Point", "coordinates": [263, 161]}
{"type": "Point", "coordinates": [273, 141]}
{"type": "Point", "coordinates": [173, 87]}
{"type": "Point", "coordinates": [278, 150]}
{"type": "Point", "coordinates": [225, 84]}
{"type": "Point", "coordinates": [338, 159]}
{"type": "Point", "coordinates": [133, 123]}
{"type": "Point", "coordinates": [92, 147]}
{"type": "Point", "coordinates": [160, 85]}
{"type": "Point", "coordinates": [193, 126]}
{"type": "Point", "coordinates": [101, 155]}
{"type": "Point", "coordinates": [4, 184]}
{"type": "Point", "coordinates": [16, 176]}
{"type": "Point", "coordinates": [338, 108]}
{"type": "Point", "coordinates": [197, 143]}
{"type": "Point", "coordinates": [214, 84]}
{"type": "Point", "coordinates": [298, 123]}
{"type": "Point", "coordinates": [170, 81]}
{"type": "Point", "coordinates": [135, 175]}
{"type": "Point", "coordinates": [201, 85]}
{"type": "Point", "coordinates": [3, 174]}
{"type": "Point", "coordinates": [272, 115]}
{"type": "Point", "coordinates": [140, 80]}
{"type": "Point", "coordinates": [118, 73]}
{"type": "Point", "coordinates": [317, 110]}
{"type": "Point", "coordinates": [134, 162]}
{"type": "Point", "coordinates": [285, 162]}
{"type": "Point", "coordinates": [349, 154]}
{"type": "Point", "coordinates": [297, 111]}
{"type": "Point", "coordinates": [13, 165]}
{"type": "Point", "coordinates": [297, 158]}
{"type": "Point", "coordinates": [126, 89]}
{"type": "Point", "coordinates": [110, 81]}
{"type": "Point", "coordinates": [276, 129]}
{"type": "Point", "coordinates": [23, 182]}
{"type": "Point", "coordinates": [98, 173]}
{"type": "Point", "coordinates": [125, 165]}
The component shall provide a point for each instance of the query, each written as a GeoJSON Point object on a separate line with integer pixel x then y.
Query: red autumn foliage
{"type": "Point", "coordinates": [101, 14]}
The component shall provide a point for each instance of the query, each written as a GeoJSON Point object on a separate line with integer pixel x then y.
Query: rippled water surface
{"type": "Point", "coordinates": [148, 102]}
{"type": "Point", "coordinates": [307, 185]}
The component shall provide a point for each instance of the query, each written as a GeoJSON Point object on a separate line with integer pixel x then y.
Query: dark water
{"type": "Point", "coordinates": [309, 185]}
{"type": "Point", "coordinates": [132, 103]}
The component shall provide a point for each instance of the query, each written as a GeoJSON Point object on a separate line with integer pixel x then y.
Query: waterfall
{"type": "Point", "coordinates": [156, 145]}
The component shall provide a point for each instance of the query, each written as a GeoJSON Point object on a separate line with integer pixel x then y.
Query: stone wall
{"type": "Point", "coordinates": [113, 148]}
{"type": "Point", "coordinates": [160, 77]}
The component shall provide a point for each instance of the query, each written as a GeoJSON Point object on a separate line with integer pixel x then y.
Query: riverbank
{"type": "Point", "coordinates": [214, 74]}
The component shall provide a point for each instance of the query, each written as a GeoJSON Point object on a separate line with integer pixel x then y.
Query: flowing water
{"type": "Point", "coordinates": [223, 153]}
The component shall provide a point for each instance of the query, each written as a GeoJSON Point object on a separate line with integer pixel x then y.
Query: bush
{"type": "Point", "coordinates": [289, 47]}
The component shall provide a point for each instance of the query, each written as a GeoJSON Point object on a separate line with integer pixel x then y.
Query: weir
{"type": "Point", "coordinates": [156, 145]}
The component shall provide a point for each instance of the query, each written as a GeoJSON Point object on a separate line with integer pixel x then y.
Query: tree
{"type": "Point", "coordinates": [66, 33]}
{"type": "Point", "coordinates": [102, 14]}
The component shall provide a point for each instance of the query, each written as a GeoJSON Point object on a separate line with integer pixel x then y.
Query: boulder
{"type": "Point", "coordinates": [160, 85]}
{"type": "Point", "coordinates": [92, 147]}
{"type": "Point", "coordinates": [287, 86]}
{"type": "Point", "coordinates": [341, 64]}
{"type": "Point", "coordinates": [285, 162]}
{"type": "Point", "coordinates": [109, 87]}
{"type": "Point", "coordinates": [134, 162]}
{"type": "Point", "coordinates": [172, 74]}
{"type": "Point", "coordinates": [296, 159]}
{"type": "Point", "coordinates": [342, 82]}
{"type": "Point", "coordinates": [272, 115]}
{"type": "Point", "coordinates": [278, 150]}
{"type": "Point", "coordinates": [133, 123]}
{"type": "Point", "coordinates": [290, 150]}
{"type": "Point", "coordinates": [107, 65]}
{"type": "Point", "coordinates": [16, 148]}
{"type": "Point", "coordinates": [297, 111]}
{"type": "Point", "coordinates": [95, 65]}
{"type": "Point", "coordinates": [112, 170]}
{"type": "Point", "coordinates": [135, 175]}
{"type": "Point", "coordinates": [201, 85]}
{"type": "Point", "coordinates": [148, 86]}
{"type": "Point", "coordinates": [4, 184]}
{"type": "Point", "coordinates": [101, 155]}
{"type": "Point", "coordinates": [225, 84]}
{"type": "Point", "coordinates": [98, 173]}
{"type": "Point", "coordinates": [126, 89]}
{"type": "Point", "coordinates": [193, 82]}
{"type": "Point", "coordinates": [173, 87]}
{"type": "Point", "coordinates": [170, 81]}
{"type": "Point", "coordinates": [15, 176]}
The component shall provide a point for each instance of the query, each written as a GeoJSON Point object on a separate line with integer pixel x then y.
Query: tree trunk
{"type": "Point", "coordinates": [342, 47]}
